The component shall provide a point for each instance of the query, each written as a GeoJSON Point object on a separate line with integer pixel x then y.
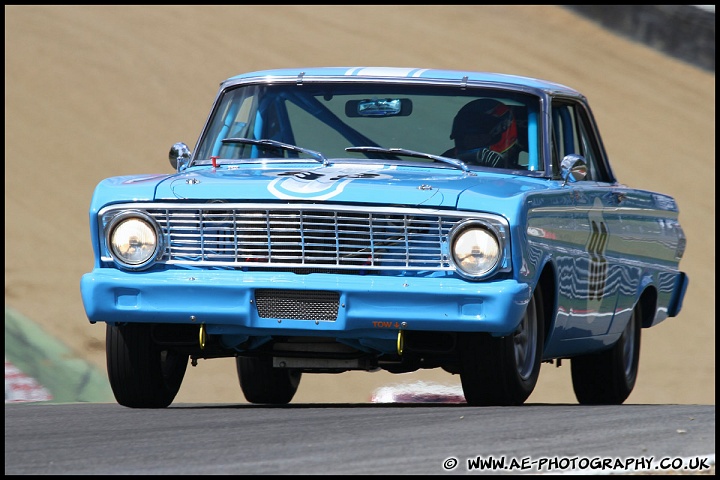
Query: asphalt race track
{"type": "Point", "coordinates": [336, 439]}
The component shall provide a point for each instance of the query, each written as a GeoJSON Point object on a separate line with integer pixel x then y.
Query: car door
{"type": "Point", "coordinates": [592, 279]}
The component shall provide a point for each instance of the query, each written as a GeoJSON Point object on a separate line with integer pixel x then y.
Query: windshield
{"type": "Point", "coordinates": [482, 127]}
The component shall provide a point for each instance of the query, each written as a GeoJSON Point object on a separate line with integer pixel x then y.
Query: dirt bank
{"type": "Point", "coordinates": [92, 92]}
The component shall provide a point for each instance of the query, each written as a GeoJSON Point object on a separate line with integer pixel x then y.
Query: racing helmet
{"type": "Point", "coordinates": [487, 123]}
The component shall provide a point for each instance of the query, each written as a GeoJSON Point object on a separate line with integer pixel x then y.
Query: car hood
{"type": "Point", "coordinates": [336, 183]}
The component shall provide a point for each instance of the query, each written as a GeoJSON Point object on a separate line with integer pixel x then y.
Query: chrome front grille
{"type": "Point", "coordinates": [304, 237]}
{"type": "Point", "coordinates": [301, 237]}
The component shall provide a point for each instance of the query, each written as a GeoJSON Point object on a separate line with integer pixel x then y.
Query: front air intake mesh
{"type": "Point", "coordinates": [297, 305]}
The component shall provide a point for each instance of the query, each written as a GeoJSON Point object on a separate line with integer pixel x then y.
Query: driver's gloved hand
{"type": "Point", "coordinates": [482, 156]}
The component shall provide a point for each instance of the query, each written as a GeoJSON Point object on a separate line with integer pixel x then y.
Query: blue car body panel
{"type": "Point", "coordinates": [605, 244]}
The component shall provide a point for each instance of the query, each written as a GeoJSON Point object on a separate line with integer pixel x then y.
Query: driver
{"type": "Point", "coordinates": [485, 133]}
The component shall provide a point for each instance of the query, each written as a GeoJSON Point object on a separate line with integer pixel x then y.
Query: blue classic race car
{"type": "Point", "coordinates": [337, 219]}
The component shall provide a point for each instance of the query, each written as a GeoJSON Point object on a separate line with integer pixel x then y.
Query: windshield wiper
{"type": "Point", "coordinates": [411, 153]}
{"type": "Point", "coordinates": [274, 143]}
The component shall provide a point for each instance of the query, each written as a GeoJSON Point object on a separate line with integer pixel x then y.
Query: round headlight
{"type": "Point", "coordinates": [133, 240]}
{"type": "Point", "coordinates": [475, 251]}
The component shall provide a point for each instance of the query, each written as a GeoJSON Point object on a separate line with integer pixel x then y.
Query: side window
{"type": "Point", "coordinates": [572, 134]}
{"type": "Point", "coordinates": [591, 150]}
{"type": "Point", "coordinates": [564, 131]}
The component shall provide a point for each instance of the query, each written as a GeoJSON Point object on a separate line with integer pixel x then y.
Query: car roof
{"type": "Point", "coordinates": [397, 73]}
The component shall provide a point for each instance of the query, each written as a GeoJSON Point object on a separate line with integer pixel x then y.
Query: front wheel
{"type": "Point", "coordinates": [262, 383]}
{"type": "Point", "coordinates": [608, 377]}
{"type": "Point", "coordinates": [142, 374]}
{"type": "Point", "coordinates": [504, 371]}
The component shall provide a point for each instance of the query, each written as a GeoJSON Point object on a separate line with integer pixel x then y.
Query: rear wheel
{"type": "Point", "coordinates": [504, 371]}
{"type": "Point", "coordinates": [608, 377]}
{"type": "Point", "coordinates": [141, 373]}
{"type": "Point", "coordinates": [263, 383]}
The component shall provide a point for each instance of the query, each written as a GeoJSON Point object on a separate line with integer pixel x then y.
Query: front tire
{"type": "Point", "coordinates": [262, 383]}
{"type": "Point", "coordinates": [142, 374]}
{"type": "Point", "coordinates": [608, 377]}
{"type": "Point", "coordinates": [504, 371]}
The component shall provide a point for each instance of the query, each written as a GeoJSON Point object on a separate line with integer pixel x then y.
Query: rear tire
{"type": "Point", "coordinates": [141, 373]}
{"type": "Point", "coordinates": [504, 371]}
{"type": "Point", "coordinates": [608, 377]}
{"type": "Point", "coordinates": [262, 383]}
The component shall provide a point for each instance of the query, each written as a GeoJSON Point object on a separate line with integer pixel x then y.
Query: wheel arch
{"type": "Point", "coordinates": [547, 283]}
{"type": "Point", "coordinates": [648, 305]}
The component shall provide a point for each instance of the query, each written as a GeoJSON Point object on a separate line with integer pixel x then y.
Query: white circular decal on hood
{"type": "Point", "coordinates": [318, 185]}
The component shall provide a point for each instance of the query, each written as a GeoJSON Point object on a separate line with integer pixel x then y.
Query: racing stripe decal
{"type": "Point", "coordinates": [385, 72]}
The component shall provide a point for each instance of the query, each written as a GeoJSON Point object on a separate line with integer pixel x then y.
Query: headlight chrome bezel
{"type": "Point", "coordinates": [466, 227]}
{"type": "Point", "coordinates": [117, 221]}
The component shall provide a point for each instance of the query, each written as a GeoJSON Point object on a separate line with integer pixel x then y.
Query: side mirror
{"type": "Point", "coordinates": [573, 168]}
{"type": "Point", "coordinates": [180, 156]}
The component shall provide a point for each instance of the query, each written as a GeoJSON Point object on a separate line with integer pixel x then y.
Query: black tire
{"type": "Point", "coordinates": [142, 374]}
{"type": "Point", "coordinates": [608, 377]}
{"type": "Point", "coordinates": [262, 383]}
{"type": "Point", "coordinates": [503, 371]}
